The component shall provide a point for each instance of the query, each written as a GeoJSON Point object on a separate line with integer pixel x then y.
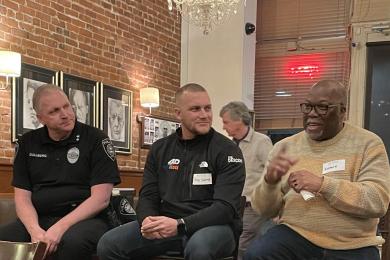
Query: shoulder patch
{"type": "Point", "coordinates": [109, 148]}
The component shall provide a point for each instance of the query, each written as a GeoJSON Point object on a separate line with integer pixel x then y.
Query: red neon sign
{"type": "Point", "coordinates": [309, 71]}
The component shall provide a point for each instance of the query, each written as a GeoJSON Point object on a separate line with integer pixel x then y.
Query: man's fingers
{"type": "Point", "coordinates": [152, 226]}
{"type": "Point", "coordinates": [283, 155]}
{"type": "Point", "coordinates": [290, 160]}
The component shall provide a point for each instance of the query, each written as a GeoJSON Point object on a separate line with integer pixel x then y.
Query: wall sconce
{"type": "Point", "coordinates": [149, 98]}
{"type": "Point", "coordinates": [10, 64]}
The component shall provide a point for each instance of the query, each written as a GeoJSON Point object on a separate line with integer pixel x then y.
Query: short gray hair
{"type": "Point", "coordinates": [237, 111]}
{"type": "Point", "coordinates": [39, 92]}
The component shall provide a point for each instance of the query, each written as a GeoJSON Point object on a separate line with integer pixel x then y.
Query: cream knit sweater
{"type": "Point", "coordinates": [345, 212]}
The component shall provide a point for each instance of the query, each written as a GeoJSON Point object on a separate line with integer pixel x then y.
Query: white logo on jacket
{"type": "Point", "coordinates": [173, 164]}
{"type": "Point", "coordinates": [235, 160]}
{"type": "Point", "coordinates": [174, 161]}
{"type": "Point", "coordinates": [203, 164]}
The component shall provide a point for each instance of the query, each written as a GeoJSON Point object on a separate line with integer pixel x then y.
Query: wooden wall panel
{"type": "Point", "coordinates": [5, 178]}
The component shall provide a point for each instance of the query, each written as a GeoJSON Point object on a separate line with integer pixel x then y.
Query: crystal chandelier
{"type": "Point", "coordinates": [205, 13]}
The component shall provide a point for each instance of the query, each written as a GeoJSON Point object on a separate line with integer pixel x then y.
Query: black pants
{"type": "Point", "coordinates": [78, 242]}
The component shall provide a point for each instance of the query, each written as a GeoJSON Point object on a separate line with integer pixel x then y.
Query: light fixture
{"type": "Point", "coordinates": [149, 98]}
{"type": "Point", "coordinates": [10, 64]}
{"type": "Point", "coordinates": [205, 13]}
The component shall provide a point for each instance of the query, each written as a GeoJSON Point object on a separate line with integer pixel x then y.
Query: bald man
{"type": "Point", "coordinates": [329, 185]}
{"type": "Point", "coordinates": [191, 190]}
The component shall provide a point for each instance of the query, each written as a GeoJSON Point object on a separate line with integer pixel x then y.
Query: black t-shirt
{"type": "Point", "coordinates": [60, 173]}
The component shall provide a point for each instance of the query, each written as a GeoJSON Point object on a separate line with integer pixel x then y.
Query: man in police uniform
{"type": "Point", "coordinates": [63, 177]}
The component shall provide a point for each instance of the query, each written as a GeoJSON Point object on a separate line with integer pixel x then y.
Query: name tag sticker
{"type": "Point", "coordinates": [202, 179]}
{"type": "Point", "coordinates": [333, 166]}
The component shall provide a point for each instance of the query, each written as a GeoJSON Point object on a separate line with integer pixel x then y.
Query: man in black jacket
{"type": "Point", "coordinates": [191, 190]}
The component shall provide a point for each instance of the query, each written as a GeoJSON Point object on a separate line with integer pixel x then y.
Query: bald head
{"type": "Point", "coordinates": [193, 109]}
{"type": "Point", "coordinates": [190, 87]}
{"type": "Point", "coordinates": [335, 89]}
{"type": "Point", "coordinates": [327, 100]}
{"type": "Point", "coordinates": [39, 92]}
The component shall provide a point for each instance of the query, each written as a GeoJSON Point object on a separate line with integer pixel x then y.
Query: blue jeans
{"type": "Point", "coordinates": [126, 242]}
{"type": "Point", "coordinates": [282, 243]}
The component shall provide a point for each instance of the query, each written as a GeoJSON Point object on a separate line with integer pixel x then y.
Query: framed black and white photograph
{"type": "Point", "coordinates": [24, 118]}
{"type": "Point", "coordinates": [82, 94]}
{"type": "Point", "coordinates": [154, 128]}
{"type": "Point", "coordinates": [115, 116]}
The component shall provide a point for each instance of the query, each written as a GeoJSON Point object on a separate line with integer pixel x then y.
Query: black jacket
{"type": "Point", "coordinates": [200, 180]}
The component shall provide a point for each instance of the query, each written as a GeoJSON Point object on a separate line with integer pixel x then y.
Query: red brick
{"type": "Point", "coordinates": [130, 47]}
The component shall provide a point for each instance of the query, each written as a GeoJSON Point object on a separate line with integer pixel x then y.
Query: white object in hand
{"type": "Point", "coordinates": [307, 195]}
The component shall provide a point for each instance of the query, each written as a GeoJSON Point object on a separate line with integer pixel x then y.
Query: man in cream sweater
{"type": "Point", "coordinates": [329, 185]}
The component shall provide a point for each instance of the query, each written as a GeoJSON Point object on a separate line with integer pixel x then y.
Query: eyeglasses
{"type": "Point", "coordinates": [320, 109]}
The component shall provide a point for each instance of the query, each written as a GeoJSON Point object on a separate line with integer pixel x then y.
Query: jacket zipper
{"type": "Point", "coordinates": [191, 178]}
{"type": "Point", "coordinates": [184, 172]}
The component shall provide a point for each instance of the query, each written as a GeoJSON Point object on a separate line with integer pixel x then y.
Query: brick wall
{"type": "Point", "coordinates": [128, 44]}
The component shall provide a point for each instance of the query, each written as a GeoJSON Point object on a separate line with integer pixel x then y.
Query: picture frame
{"type": "Point", "coordinates": [23, 115]}
{"type": "Point", "coordinates": [116, 107]}
{"type": "Point", "coordinates": [82, 94]}
{"type": "Point", "coordinates": [155, 127]}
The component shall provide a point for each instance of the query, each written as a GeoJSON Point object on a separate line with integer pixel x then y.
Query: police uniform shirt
{"type": "Point", "coordinates": [60, 173]}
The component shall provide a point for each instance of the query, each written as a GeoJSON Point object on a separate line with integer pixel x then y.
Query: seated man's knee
{"type": "Point", "coordinates": [75, 243]}
{"type": "Point", "coordinates": [250, 254]}
{"type": "Point", "coordinates": [210, 243]}
{"type": "Point", "coordinates": [257, 250]}
{"type": "Point", "coordinates": [196, 248]}
{"type": "Point", "coordinates": [119, 240]}
{"type": "Point", "coordinates": [105, 245]}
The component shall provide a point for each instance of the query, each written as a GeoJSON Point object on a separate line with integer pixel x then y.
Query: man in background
{"type": "Point", "coordinates": [255, 147]}
{"type": "Point", "coordinates": [330, 184]}
{"type": "Point", "coordinates": [63, 176]}
{"type": "Point", "coordinates": [190, 196]}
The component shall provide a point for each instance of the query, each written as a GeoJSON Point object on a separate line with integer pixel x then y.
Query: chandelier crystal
{"type": "Point", "coordinates": [205, 13]}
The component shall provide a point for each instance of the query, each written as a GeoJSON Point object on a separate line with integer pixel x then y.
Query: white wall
{"type": "Point", "coordinates": [222, 61]}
